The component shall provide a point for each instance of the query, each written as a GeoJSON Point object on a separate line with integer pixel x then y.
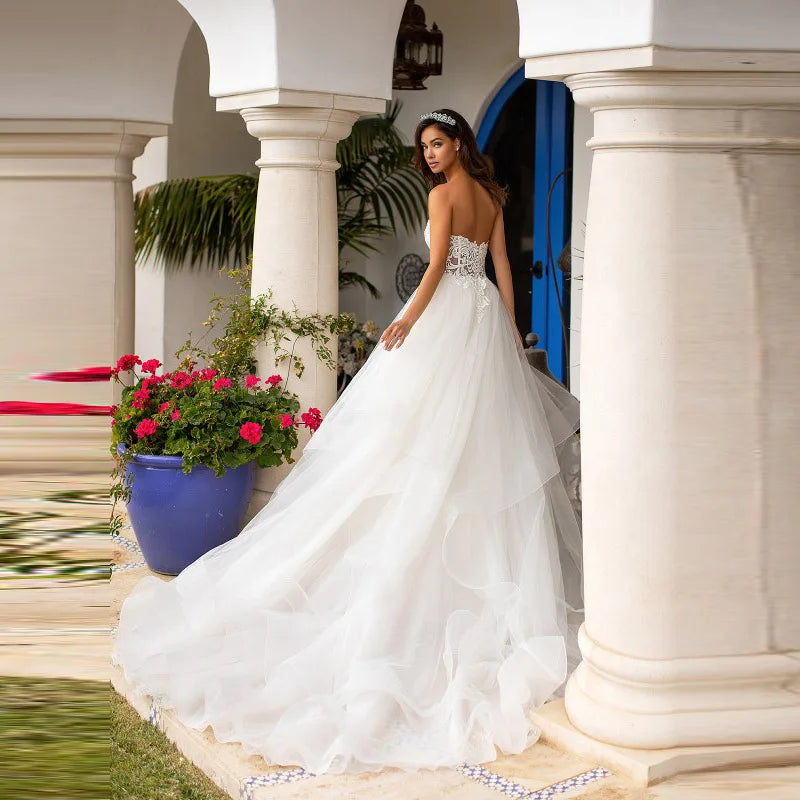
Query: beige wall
{"type": "Point", "coordinates": [201, 141]}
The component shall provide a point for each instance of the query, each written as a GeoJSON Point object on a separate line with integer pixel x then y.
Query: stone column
{"type": "Point", "coordinates": [295, 247]}
{"type": "Point", "coordinates": [66, 249]}
{"type": "Point", "coordinates": [690, 434]}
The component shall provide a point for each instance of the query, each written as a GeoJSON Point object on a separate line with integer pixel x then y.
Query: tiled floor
{"type": "Point", "coordinates": [52, 626]}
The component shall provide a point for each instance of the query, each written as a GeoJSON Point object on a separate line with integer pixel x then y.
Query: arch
{"type": "Point", "coordinates": [45, 72]}
{"type": "Point", "coordinates": [497, 102]}
{"type": "Point", "coordinates": [260, 52]}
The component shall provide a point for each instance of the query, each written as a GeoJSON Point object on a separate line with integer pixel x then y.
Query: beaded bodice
{"type": "Point", "coordinates": [466, 265]}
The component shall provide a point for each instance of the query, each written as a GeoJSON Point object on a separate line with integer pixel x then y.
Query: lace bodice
{"type": "Point", "coordinates": [466, 264]}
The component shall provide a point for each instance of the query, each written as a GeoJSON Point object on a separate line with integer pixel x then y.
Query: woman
{"type": "Point", "coordinates": [401, 598]}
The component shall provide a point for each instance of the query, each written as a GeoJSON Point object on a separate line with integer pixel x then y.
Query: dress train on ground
{"type": "Point", "coordinates": [411, 590]}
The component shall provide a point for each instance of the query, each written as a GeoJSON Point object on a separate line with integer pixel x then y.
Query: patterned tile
{"type": "Point", "coordinates": [128, 544]}
{"type": "Point", "coordinates": [511, 789]}
{"type": "Point", "coordinates": [249, 785]}
{"type": "Point", "coordinates": [133, 565]}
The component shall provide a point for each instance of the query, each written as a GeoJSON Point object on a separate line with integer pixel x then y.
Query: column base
{"type": "Point", "coordinates": [258, 500]}
{"type": "Point", "coordinates": [653, 704]}
{"type": "Point", "coordinates": [647, 767]}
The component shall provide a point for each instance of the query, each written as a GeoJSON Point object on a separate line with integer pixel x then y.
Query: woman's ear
{"type": "Point", "coordinates": [458, 144]}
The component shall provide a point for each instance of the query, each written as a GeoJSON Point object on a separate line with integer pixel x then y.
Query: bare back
{"type": "Point", "coordinates": [473, 210]}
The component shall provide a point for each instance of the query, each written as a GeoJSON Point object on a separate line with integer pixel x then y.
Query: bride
{"type": "Point", "coordinates": [410, 593]}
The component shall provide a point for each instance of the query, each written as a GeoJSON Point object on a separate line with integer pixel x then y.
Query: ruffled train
{"type": "Point", "coordinates": [411, 590]}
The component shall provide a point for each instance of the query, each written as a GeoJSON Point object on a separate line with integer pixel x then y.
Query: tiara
{"type": "Point", "coordinates": [439, 118]}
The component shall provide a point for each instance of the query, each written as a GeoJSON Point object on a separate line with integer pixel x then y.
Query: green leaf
{"type": "Point", "coordinates": [211, 219]}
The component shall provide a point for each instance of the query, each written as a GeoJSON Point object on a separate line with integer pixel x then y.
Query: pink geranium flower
{"type": "Point", "coordinates": [287, 420]}
{"type": "Point", "coordinates": [146, 427]}
{"type": "Point", "coordinates": [163, 407]}
{"type": "Point", "coordinates": [312, 418]}
{"type": "Point", "coordinates": [250, 381]}
{"type": "Point", "coordinates": [251, 432]}
{"type": "Point", "coordinates": [141, 398]}
{"type": "Point", "coordinates": [128, 362]}
{"type": "Point", "coordinates": [151, 365]}
{"type": "Point", "coordinates": [175, 414]}
{"type": "Point", "coordinates": [181, 380]}
{"type": "Point", "coordinates": [273, 380]}
{"type": "Point", "coordinates": [222, 383]}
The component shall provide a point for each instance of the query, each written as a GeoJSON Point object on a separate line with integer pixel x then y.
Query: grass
{"type": "Point", "coordinates": [72, 739]}
{"type": "Point", "coordinates": [54, 739]}
{"type": "Point", "coordinates": [145, 765]}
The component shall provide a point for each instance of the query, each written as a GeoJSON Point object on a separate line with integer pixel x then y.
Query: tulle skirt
{"type": "Point", "coordinates": [410, 593]}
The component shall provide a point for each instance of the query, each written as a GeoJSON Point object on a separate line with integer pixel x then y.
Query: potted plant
{"type": "Point", "coordinates": [186, 443]}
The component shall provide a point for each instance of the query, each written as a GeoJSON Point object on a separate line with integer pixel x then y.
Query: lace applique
{"type": "Point", "coordinates": [465, 262]}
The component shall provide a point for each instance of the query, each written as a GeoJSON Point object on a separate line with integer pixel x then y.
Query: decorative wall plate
{"type": "Point", "coordinates": [408, 274]}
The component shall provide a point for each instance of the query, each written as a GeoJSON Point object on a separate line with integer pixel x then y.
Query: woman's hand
{"type": "Point", "coordinates": [396, 333]}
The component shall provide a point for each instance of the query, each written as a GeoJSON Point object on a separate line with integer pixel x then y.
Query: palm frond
{"type": "Point", "coordinates": [391, 191]}
{"type": "Point", "coordinates": [358, 231]}
{"type": "Point", "coordinates": [208, 218]}
{"type": "Point", "coordinates": [349, 278]}
{"type": "Point", "coordinates": [368, 136]}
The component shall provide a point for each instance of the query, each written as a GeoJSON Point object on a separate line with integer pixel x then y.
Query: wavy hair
{"type": "Point", "coordinates": [474, 162]}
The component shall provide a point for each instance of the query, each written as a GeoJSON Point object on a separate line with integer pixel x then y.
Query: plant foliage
{"type": "Point", "coordinates": [211, 219]}
{"type": "Point", "coordinates": [223, 415]}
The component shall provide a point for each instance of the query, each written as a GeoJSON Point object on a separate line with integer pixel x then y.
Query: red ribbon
{"type": "Point", "coordinates": [51, 409]}
{"type": "Point", "coordinates": [85, 374]}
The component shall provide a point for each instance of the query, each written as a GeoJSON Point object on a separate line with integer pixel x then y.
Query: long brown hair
{"type": "Point", "coordinates": [474, 162]}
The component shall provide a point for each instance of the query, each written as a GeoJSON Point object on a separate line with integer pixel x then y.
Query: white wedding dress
{"type": "Point", "coordinates": [408, 594]}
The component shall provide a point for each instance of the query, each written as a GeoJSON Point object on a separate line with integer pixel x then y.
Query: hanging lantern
{"type": "Point", "coordinates": [418, 51]}
{"type": "Point", "coordinates": [435, 50]}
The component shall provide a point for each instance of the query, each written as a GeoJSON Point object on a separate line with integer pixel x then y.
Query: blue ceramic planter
{"type": "Point", "coordinates": [178, 517]}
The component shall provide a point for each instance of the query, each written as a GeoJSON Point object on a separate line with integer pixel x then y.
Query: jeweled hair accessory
{"type": "Point", "coordinates": [446, 118]}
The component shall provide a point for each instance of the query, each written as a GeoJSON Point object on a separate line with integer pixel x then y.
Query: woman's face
{"type": "Point", "coordinates": [438, 150]}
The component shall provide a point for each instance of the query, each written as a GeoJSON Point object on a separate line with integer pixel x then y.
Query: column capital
{"type": "Point", "coordinates": [295, 98]}
{"type": "Point", "coordinates": [299, 137]}
{"type": "Point", "coordinates": [695, 111]}
{"type": "Point", "coordinates": [699, 89]}
{"type": "Point", "coordinates": [73, 148]}
{"type": "Point", "coordinates": [646, 57]}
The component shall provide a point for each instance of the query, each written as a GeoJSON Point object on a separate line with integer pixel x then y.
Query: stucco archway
{"type": "Point", "coordinates": [71, 122]}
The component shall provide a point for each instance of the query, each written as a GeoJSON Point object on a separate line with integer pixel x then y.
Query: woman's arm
{"type": "Point", "coordinates": [502, 270]}
{"type": "Point", "coordinates": [440, 215]}
{"type": "Point", "coordinates": [502, 267]}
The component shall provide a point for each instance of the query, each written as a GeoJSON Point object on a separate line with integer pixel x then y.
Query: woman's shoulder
{"type": "Point", "coordinates": [440, 190]}
{"type": "Point", "coordinates": [439, 197]}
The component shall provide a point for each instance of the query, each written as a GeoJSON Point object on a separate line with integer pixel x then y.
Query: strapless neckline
{"type": "Point", "coordinates": [452, 236]}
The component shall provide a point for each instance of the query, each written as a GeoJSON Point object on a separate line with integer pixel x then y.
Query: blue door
{"type": "Point", "coordinates": [549, 299]}
{"type": "Point", "coordinates": [527, 131]}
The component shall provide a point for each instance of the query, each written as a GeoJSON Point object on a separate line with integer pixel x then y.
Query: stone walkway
{"type": "Point", "coordinates": [51, 626]}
